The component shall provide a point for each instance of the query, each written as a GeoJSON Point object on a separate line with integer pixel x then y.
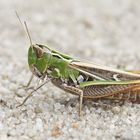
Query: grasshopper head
{"type": "Point", "coordinates": [37, 60]}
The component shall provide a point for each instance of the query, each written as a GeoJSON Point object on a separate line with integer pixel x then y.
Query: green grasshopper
{"type": "Point", "coordinates": [86, 80]}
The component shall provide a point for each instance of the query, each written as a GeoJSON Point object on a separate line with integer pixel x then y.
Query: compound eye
{"type": "Point", "coordinates": [39, 51]}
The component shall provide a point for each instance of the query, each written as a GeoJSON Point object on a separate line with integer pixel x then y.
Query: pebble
{"type": "Point", "coordinates": [4, 90]}
{"type": "Point", "coordinates": [39, 125]}
{"type": "Point", "coordinates": [116, 110]}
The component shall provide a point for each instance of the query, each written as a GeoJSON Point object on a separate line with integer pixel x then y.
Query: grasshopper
{"type": "Point", "coordinates": [86, 80]}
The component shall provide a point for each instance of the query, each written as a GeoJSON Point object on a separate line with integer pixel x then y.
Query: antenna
{"type": "Point", "coordinates": [18, 18]}
{"type": "Point", "coordinates": [28, 33]}
{"type": "Point", "coordinates": [25, 28]}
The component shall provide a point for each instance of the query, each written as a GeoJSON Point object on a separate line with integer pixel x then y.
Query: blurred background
{"type": "Point", "coordinates": [107, 31]}
{"type": "Point", "coordinates": [101, 31]}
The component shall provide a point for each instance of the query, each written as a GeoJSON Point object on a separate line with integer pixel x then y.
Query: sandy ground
{"type": "Point", "coordinates": [106, 32]}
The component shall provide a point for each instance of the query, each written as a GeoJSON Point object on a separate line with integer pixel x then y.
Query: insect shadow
{"type": "Point", "coordinates": [104, 104]}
